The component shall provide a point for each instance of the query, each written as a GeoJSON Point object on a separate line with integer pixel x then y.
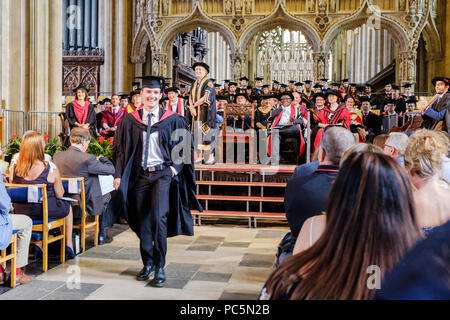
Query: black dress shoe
{"type": "Point", "coordinates": [106, 240]}
{"type": "Point", "coordinates": [159, 279]}
{"type": "Point", "coordinates": [144, 274]}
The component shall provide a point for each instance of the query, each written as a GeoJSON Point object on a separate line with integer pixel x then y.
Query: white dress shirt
{"type": "Point", "coordinates": [155, 156]}
{"type": "Point", "coordinates": [285, 117]}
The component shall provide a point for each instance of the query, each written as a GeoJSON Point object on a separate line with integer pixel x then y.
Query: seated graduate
{"type": "Point", "coordinates": [136, 103]}
{"type": "Point", "coordinates": [231, 95]}
{"type": "Point", "coordinates": [369, 119]}
{"type": "Point", "coordinates": [288, 120]}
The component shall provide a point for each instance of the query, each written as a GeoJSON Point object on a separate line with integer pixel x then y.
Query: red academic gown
{"type": "Point", "coordinates": [340, 116]}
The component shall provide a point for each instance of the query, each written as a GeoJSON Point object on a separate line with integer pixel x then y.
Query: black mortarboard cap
{"type": "Point", "coordinates": [134, 93]}
{"type": "Point", "coordinates": [182, 86]}
{"type": "Point", "coordinates": [213, 80]}
{"type": "Point", "coordinates": [315, 96]}
{"type": "Point", "coordinates": [335, 84]}
{"type": "Point", "coordinates": [200, 64]}
{"type": "Point", "coordinates": [307, 81]}
{"type": "Point", "coordinates": [152, 82]}
{"type": "Point", "coordinates": [243, 78]}
{"type": "Point", "coordinates": [317, 86]}
{"type": "Point", "coordinates": [334, 93]}
{"type": "Point", "coordinates": [81, 86]}
{"type": "Point", "coordinates": [243, 95]}
{"type": "Point", "coordinates": [259, 79]}
{"type": "Point", "coordinates": [299, 84]}
{"type": "Point", "coordinates": [388, 101]}
{"type": "Point", "coordinates": [275, 81]}
{"type": "Point", "coordinates": [124, 96]}
{"type": "Point", "coordinates": [232, 83]}
{"type": "Point", "coordinates": [395, 87]}
{"type": "Point", "coordinates": [265, 86]}
{"type": "Point", "coordinates": [249, 87]}
{"type": "Point", "coordinates": [221, 97]}
{"type": "Point", "coordinates": [368, 85]}
{"type": "Point", "coordinates": [267, 96]}
{"type": "Point", "coordinates": [226, 81]}
{"type": "Point", "coordinates": [324, 79]}
{"type": "Point", "coordinates": [217, 85]}
{"type": "Point", "coordinates": [135, 83]}
{"type": "Point", "coordinates": [407, 85]}
{"type": "Point", "coordinates": [292, 81]}
{"type": "Point", "coordinates": [364, 99]}
{"type": "Point", "coordinates": [172, 89]}
{"type": "Point", "coordinates": [345, 80]}
{"type": "Point", "coordinates": [411, 100]}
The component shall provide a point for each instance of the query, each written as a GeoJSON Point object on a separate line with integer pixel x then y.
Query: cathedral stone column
{"type": "Point", "coordinates": [239, 65]}
{"type": "Point", "coordinates": [159, 65]}
{"type": "Point", "coordinates": [407, 67]}
{"type": "Point", "coordinates": [320, 65]}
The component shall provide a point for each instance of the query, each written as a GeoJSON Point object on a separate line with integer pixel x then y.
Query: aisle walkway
{"type": "Point", "coordinates": [229, 263]}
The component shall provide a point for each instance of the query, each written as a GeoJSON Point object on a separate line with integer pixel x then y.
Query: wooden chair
{"type": "Point", "coordinates": [12, 257]}
{"type": "Point", "coordinates": [75, 186]}
{"type": "Point", "coordinates": [65, 133]}
{"type": "Point", "coordinates": [37, 193]}
{"type": "Point", "coordinates": [234, 136]}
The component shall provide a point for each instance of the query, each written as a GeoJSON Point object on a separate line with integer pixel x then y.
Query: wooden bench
{"type": "Point", "coordinates": [238, 215]}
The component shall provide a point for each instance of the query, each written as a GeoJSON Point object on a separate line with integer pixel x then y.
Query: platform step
{"type": "Point", "coordinates": [241, 214]}
{"type": "Point", "coordinates": [240, 198]}
{"type": "Point", "coordinates": [241, 184]}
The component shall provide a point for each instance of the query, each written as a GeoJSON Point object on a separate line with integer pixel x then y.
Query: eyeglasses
{"type": "Point", "coordinates": [286, 99]}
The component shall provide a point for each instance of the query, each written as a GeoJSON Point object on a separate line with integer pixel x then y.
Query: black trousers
{"type": "Point", "coordinates": [289, 132]}
{"type": "Point", "coordinates": [150, 204]}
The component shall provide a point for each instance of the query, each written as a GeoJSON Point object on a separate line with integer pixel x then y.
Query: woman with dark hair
{"type": "Point", "coordinates": [361, 231]}
{"type": "Point", "coordinates": [81, 113]}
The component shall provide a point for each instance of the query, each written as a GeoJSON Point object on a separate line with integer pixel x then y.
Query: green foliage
{"type": "Point", "coordinates": [53, 146]}
{"type": "Point", "coordinates": [13, 146]}
{"type": "Point", "coordinates": [98, 148]}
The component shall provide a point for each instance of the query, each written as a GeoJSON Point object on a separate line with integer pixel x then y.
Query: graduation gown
{"type": "Point", "coordinates": [127, 153]}
{"type": "Point", "coordinates": [111, 120]}
{"type": "Point", "coordinates": [326, 116]}
{"type": "Point", "coordinates": [90, 118]}
{"type": "Point", "coordinates": [372, 123]}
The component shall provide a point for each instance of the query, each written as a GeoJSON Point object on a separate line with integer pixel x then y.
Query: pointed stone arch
{"type": "Point", "coordinates": [198, 19]}
{"type": "Point", "coordinates": [280, 17]}
{"type": "Point", "coordinates": [361, 17]}
{"type": "Point", "coordinates": [141, 43]}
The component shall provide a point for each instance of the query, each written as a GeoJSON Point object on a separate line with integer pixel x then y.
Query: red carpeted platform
{"type": "Point", "coordinates": [242, 191]}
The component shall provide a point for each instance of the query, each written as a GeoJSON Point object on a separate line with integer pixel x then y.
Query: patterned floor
{"type": "Point", "coordinates": [218, 263]}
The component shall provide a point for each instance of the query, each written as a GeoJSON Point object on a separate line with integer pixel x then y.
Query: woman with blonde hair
{"type": "Point", "coordinates": [424, 156]}
{"type": "Point", "coordinates": [31, 168]}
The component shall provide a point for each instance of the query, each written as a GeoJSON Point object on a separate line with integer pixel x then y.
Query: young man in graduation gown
{"type": "Point", "coordinates": [371, 120]}
{"type": "Point", "coordinates": [439, 110]}
{"type": "Point", "coordinates": [157, 181]}
{"type": "Point", "coordinates": [177, 104]}
{"type": "Point", "coordinates": [288, 120]}
{"type": "Point", "coordinates": [111, 117]}
{"type": "Point", "coordinates": [202, 105]}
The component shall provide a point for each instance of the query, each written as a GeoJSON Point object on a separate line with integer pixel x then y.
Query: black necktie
{"type": "Point", "coordinates": [147, 139]}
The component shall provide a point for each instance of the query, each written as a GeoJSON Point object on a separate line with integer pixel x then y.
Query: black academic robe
{"type": "Point", "coordinates": [372, 122]}
{"type": "Point", "coordinates": [128, 157]}
{"type": "Point", "coordinates": [400, 105]}
{"type": "Point", "coordinates": [91, 118]}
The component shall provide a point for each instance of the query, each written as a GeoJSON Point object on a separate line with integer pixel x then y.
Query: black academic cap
{"type": "Point", "coordinates": [407, 85]}
{"type": "Point", "coordinates": [353, 85]}
{"type": "Point", "coordinates": [172, 89]}
{"type": "Point", "coordinates": [81, 86]}
{"type": "Point", "coordinates": [217, 85]}
{"type": "Point", "coordinates": [221, 97]}
{"type": "Point", "coordinates": [315, 96]}
{"type": "Point", "coordinates": [243, 78]}
{"type": "Point", "coordinates": [135, 83]}
{"type": "Point", "coordinates": [317, 86]}
{"type": "Point", "coordinates": [292, 81]}
{"type": "Point", "coordinates": [182, 86]}
{"type": "Point", "coordinates": [446, 80]}
{"type": "Point", "coordinates": [123, 96]}
{"type": "Point", "coordinates": [388, 101]}
{"type": "Point", "coordinates": [307, 81]}
{"type": "Point", "coordinates": [232, 83]}
{"type": "Point", "coordinates": [134, 93]}
{"type": "Point", "coordinates": [275, 81]}
{"type": "Point", "coordinates": [286, 93]}
{"type": "Point", "coordinates": [265, 86]}
{"type": "Point", "coordinates": [335, 84]}
{"type": "Point", "coordinates": [299, 84]}
{"type": "Point", "coordinates": [152, 82]}
{"type": "Point", "coordinates": [266, 96]}
{"type": "Point", "coordinates": [363, 99]}
{"type": "Point", "coordinates": [243, 95]}
{"type": "Point", "coordinates": [334, 93]}
{"type": "Point", "coordinates": [345, 80]}
{"type": "Point", "coordinates": [249, 87]}
{"type": "Point", "coordinates": [368, 85]}
{"type": "Point", "coordinates": [259, 79]}
{"type": "Point", "coordinates": [395, 87]}
{"type": "Point", "coordinates": [411, 100]}
{"type": "Point", "coordinates": [283, 85]}
{"type": "Point", "coordinates": [200, 64]}
{"type": "Point", "coordinates": [226, 81]}
{"type": "Point", "coordinates": [213, 80]}
{"type": "Point", "coordinates": [324, 79]}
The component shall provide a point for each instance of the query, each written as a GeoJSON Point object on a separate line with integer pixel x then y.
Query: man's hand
{"type": "Point", "coordinates": [116, 183]}
{"type": "Point", "coordinates": [193, 111]}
